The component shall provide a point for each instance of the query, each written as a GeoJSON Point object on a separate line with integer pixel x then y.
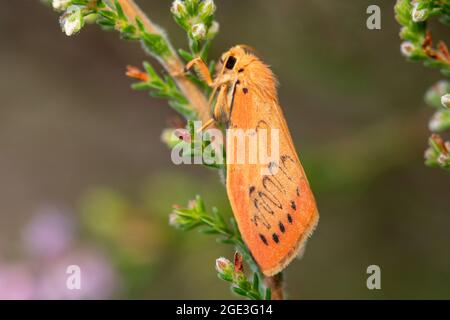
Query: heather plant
{"type": "Point", "coordinates": [417, 45]}
{"type": "Point", "coordinates": [187, 94]}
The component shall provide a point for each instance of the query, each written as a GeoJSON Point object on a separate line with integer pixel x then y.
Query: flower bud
{"type": "Point", "coordinates": [430, 154]}
{"type": "Point", "coordinates": [443, 159]}
{"type": "Point", "coordinates": [238, 262]}
{"type": "Point", "coordinates": [207, 8]}
{"type": "Point", "coordinates": [407, 48]}
{"type": "Point", "coordinates": [224, 266]}
{"type": "Point", "coordinates": [170, 137]}
{"type": "Point", "coordinates": [174, 220]}
{"type": "Point", "coordinates": [438, 152]}
{"type": "Point", "coordinates": [213, 30]}
{"type": "Point", "coordinates": [419, 15]}
{"type": "Point", "coordinates": [434, 95]}
{"type": "Point", "coordinates": [178, 9]}
{"type": "Point", "coordinates": [440, 121]}
{"type": "Point", "coordinates": [61, 5]}
{"type": "Point", "coordinates": [198, 31]}
{"type": "Point", "coordinates": [72, 20]}
{"type": "Point", "coordinates": [445, 100]}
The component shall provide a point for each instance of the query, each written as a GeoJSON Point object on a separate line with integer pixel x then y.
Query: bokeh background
{"type": "Point", "coordinates": [85, 180]}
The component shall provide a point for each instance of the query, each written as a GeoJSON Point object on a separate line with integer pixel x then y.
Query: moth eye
{"type": "Point", "coordinates": [230, 63]}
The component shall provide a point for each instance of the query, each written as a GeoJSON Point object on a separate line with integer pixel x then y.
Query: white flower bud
{"type": "Point", "coordinates": [433, 125]}
{"type": "Point", "coordinates": [439, 121]}
{"type": "Point", "coordinates": [72, 20]}
{"type": "Point", "coordinates": [198, 31]}
{"type": "Point", "coordinates": [407, 48]}
{"type": "Point", "coordinates": [170, 137]}
{"type": "Point", "coordinates": [61, 5]}
{"type": "Point", "coordinates": [213, 30]}
{"type": "Point", "coordinates": [173, 220]}
{"type": "Point", "coordinates": [445, 100]}
{"type": "Point", "coordinates": [442, 159]}
{"type": "Point", "coordinates": [430, 154]}
{"type": "Point", "coordinates": [178, 9]}
{"type": "Point", "coordinates": [419, 15]}
{"type": "Point", "coordinates": [441, 87]}
{"type": "Point", "coordinates": [223, 265]}
{"type": "Point", "coordinates": [207, 8]}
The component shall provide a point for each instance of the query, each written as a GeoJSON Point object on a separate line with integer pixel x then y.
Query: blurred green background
{"type": "Point", "coordinates": [85, 179]}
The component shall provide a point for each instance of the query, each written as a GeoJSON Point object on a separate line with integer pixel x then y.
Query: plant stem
{"type": "Point", "coordinates": [174, 66]}
{"type": "Point", "coordinates": [275, 283]}
{"type": "Point", "coordinates": [172, 63]}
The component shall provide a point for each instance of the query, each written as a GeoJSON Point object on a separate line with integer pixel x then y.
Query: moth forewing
{"type": "Point", "coordinates": [271, 200]}
{"type": "Point", "coordinates": [275, 212]}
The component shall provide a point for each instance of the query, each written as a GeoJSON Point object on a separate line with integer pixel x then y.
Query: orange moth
{"type": "Point", "coordinates": [275, 212]}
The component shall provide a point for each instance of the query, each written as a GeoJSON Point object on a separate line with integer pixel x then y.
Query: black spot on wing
{"type": "Point", "coordinates": [293, 206]}
{"type": "Point", "coordinates": [263, 239]}
{"type": "Point", "coordinates": [289, 217]}
{"type": "Point", "coordinates": [251, 189]}
{"type": "Point", "coordinates": [245, 90]}
{"type": "Point", "coordinates": [275, 238]}
{"type": "Point", "coordinates": [281, 226]}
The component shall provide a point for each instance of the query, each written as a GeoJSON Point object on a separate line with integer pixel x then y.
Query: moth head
{"type": "Point", "coordinates": [237, 57]}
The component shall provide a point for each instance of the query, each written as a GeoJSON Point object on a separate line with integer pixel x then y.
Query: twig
{"type": "Point", "coordinates": [275, 283]}
{"type": "Point", "coordinates": [418, 46]}
{"type": "Point", "coordinates": [172, 63]}
{"type": "Point", "coordinates": [185, 93]}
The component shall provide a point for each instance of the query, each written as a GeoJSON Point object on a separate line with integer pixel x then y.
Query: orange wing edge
{"type": "Point", "coordinates": [297, 249]}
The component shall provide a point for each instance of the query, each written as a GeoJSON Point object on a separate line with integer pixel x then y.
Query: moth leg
{"type": "Point", "coordinates": [206, 125]}
{"type": "Point", "coordinates": [219, 82]}
{"type": "Point", "coordinates": [202, 70]}
{"type": "Point", "coordinates": [220, 110]}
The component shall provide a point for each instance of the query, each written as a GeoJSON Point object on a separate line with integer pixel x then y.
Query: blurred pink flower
{"type": "Point", "coordinates": [98, 279]}
{"type": "Point", "coordinates": [50, 240]}
{"type": "Point", "coordinates": [16, 282]}
{"type": "Point", "coordinates": [49, 234]}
